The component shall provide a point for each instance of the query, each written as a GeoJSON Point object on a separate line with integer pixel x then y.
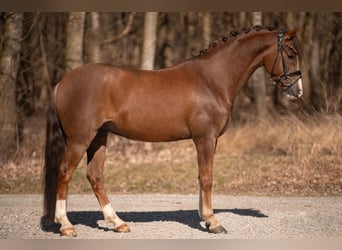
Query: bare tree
{"type": "Point", "coordinates": [74, 42]}
{"type": "Point", "coordinates": [242, 19]}
{"type": "Point", "coordinates": [258, 79]}
{"type": "Point", "coordinates": [334, 89]}
{"type": "Point", "coordinates": [314, 79]}
{"type": "Point", "coordinates": [150, 38]}
{"type": "Point", "coordinates": [125, 31]}
{"type": "Point", "coordinates": [92, 41]}
{"type": "Point", "coordinates": [206, 28]}
{"type": "Point", "coordinates": [9, 62]}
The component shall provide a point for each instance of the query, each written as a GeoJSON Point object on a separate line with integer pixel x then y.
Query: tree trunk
{"type": "Point", "coordinates": [46, 89]}
{"type": "Point", "coordinates": [92, 38]}
{"type": "Point", "coordinates": [150, 38]}
{"type": "Point", "coordinates": [206, 29]}
{"type": "Point", "coordinates": [258, 79]}
{"type": "Point", "coordinates": [334, 90]}
{"type": "Point", "coordinates": [314, 63]}
{"type": "Point", "coordinates": [9, 61]}
{"type": "Point", "coordinates": [243, 19]}
{"type": "Point", "coordinates": [74, 41]}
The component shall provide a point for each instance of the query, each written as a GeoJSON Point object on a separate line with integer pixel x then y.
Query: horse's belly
{"type": "Point", "coordinates": [150, 128]}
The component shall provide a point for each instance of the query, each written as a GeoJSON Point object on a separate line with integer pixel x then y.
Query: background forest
{"type": "Point", "coordinates": [37, 49]}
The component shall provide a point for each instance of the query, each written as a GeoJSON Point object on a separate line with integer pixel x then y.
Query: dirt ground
{"type": "Point", "coordinates": [160, 216]}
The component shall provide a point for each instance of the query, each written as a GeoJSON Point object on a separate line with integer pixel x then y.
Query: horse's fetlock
{"type": "Point", "coordinates": [108, 219]}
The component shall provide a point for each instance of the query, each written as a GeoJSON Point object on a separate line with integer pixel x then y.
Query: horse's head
{"type": "Point", "coordinates": [283, 64]}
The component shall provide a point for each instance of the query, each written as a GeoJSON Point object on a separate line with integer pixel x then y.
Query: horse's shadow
{"type": "Point", "coordinates": [186, 217]}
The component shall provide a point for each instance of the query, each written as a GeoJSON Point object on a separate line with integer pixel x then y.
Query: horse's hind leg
{"type": "Point", "coordinates": [96, 157]}
{"type": "Point", "coordinates": [72, 156]}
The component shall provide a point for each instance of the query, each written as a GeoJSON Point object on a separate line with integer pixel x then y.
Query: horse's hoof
{"type": "Point", "coordinates": [123, 228]}
{"type": "Point", "coordinates": [68, 231]}
{"type": "Point", "coordinates": [217, 229]}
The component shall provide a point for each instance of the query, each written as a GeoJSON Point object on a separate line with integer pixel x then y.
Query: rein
{"type": "Point", "coordinates": [286, 74]}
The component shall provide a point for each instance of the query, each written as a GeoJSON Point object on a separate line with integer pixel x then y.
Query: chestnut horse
{"type": "Point", "coordinates": [190, 100]}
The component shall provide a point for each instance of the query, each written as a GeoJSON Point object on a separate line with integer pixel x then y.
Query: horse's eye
{"type": "Point", "coordinates": [291, 56]}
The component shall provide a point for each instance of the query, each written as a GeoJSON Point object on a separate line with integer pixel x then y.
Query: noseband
{"type": "Point", "coordinates": [286, 74]}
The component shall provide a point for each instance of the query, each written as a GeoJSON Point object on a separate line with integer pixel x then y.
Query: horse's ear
{"type": "Point", "coordinates": [291, 34]}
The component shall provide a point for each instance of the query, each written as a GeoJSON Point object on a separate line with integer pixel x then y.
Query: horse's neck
{"type": "Point", "coordinates": [230, 66]}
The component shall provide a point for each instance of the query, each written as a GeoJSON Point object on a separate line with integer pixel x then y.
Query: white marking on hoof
{"type": "Point", "coordinates": [110, 216]}
{"type": "Point", "coordinates": [60, 214]}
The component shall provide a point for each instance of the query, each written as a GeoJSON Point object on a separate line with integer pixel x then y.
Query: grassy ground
{"type": "Point", "coordinates": [280, 156]}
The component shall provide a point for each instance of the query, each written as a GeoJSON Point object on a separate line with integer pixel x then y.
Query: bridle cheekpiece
{"type": "Point", "coordinates": [286, 74]}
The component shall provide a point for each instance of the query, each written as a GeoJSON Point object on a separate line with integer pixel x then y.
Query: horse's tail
{"type": "Point", "coordinates": [54, 150]}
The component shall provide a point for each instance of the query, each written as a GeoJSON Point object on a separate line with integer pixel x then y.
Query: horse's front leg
{"type": "Point", "coordinates": [205, 155]}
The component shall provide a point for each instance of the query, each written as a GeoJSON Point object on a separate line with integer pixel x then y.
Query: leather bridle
{"type": "Point", "coordinates": [286, 74]}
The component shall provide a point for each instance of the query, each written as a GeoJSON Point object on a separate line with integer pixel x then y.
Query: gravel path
{"type": "Point", "coordinates": [175, 216]}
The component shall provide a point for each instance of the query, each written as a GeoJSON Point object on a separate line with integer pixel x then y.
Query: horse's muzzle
{"type": "Point", "coordinates": [294, 90]}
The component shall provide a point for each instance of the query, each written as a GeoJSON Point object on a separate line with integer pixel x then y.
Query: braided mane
{"type": "Point", "coordinates": [232, 34]}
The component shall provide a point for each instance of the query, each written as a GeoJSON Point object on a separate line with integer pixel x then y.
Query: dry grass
{"type": "Point", "coordinates": [286, 156]}
{"type": "Point", "coordinates": [279, 156]}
